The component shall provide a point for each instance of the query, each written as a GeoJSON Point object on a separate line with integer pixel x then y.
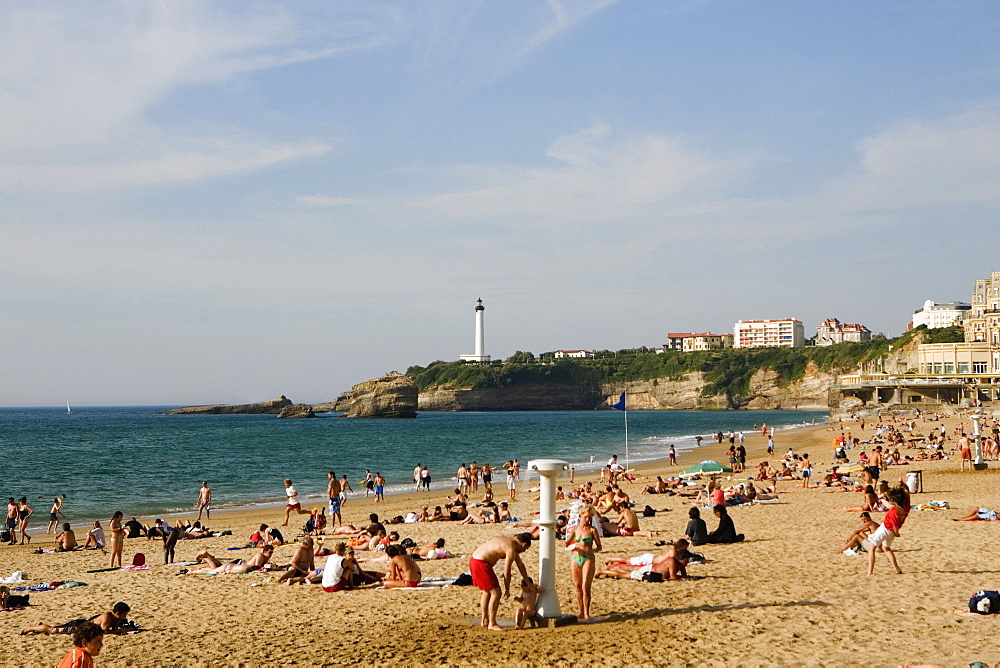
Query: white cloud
{"type": "Point", "coordinates": [77, 83]}
{"type": "Point", "coordinates": [915, 163]}
{"type": "Point", "coordinates": [599, 179]}
{"type": "Point", "coordinates": [318, 201]}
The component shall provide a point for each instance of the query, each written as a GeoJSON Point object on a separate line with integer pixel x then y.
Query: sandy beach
{"type": "Point", "coordinates": [783, 597]}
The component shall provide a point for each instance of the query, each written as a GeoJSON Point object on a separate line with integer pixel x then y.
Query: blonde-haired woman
{"type": "Point", "coordinates": [583, 541]}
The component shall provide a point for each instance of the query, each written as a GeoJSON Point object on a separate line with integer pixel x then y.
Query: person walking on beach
{"type": "Point", "coordinates": [462, 475]}
{"type": "Point", "coordinates": [481, 564]}
{"type": "Point", "coordinates": [511, 481]}
{"type": "Point", "coordinates": [673, 456]}
{"type": "Point", "coordinates": [24, 513]}
{"type": "Point", "coordinates": [369, 483]}
{"type": "Point", "coordinates": [333, 493]}
{"type": "Point", "coordinates": [54, 513]}
{"type": "Point", "coordinates": [425, 478]}
{"type": "Point", "coordinates": [474, 476]}
{"type": "Point", "coordinates": [345, 487]}
{"type": "Point", "coordinates": [379, 487]}
{"type": "Point", "coordinates": [488, 477]}
{"type": "Point", "coordinates": [416, 478]}
{"type": "Point", "coordinates": [888, 531]}
{"type": "Point", "coordinates": [204, 502]}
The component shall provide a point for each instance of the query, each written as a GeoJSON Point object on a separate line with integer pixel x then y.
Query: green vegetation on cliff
{"type": "Point", "coordinates": [727, 372]}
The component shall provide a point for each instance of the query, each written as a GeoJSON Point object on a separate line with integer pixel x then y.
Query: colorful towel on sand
{"type": "Point", "coordinates": [136, 568]}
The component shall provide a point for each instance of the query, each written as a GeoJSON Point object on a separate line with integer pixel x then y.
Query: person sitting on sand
{"type": "Point", "coordinates": [338, 571]}
{"type": "Point", "coordinates": [271, 536]}
{"type": "Point", "coordinates": [528, 600]}
{"type": "Point", "coordinates": [216, 567]}
{"type": "Point", "coordinates": [696, 531]}
{"type": "Point", "coordinates": [88, 639]}
{"type": "Point", "coordinates": [628, 525]}
{"type": "Point", "coordinates": [671, 564]}
{"type": "Point", "coordinates": [726, 531]}
{"type": "Point", "coordinates": [95, 537]}
{"type": "Point", "coordinates": [977, 514]}
{"type": "Point", "coordinates": [302, 564]}
{"type": "Point", "coordinates": [66, 540]}
{"type": "Point", "coordinates": [403, 571]}
{"type": "Point", "coordinates": [134, 528]}
{"type": "Point", "coordinates": [856, 541]}
{"type": "Point", "coordinates": [870, 504]}
{"type": "Point", "coordinates": [111, 621]}
{"type": "Point", "coordinates": [659, 487]}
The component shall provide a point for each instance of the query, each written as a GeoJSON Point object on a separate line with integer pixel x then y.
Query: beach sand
{"type": "Point", "coordinates": [783, 597]}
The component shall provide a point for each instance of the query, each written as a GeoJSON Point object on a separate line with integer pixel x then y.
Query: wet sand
{"type": "Point", "coordinates": [783, 597]}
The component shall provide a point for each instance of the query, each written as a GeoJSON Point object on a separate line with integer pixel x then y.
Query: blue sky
{"type": "Point", "coordinates": [223, 202]}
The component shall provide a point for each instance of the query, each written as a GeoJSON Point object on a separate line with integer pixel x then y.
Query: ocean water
{"type": "Point", "coordinates": [130, 459]}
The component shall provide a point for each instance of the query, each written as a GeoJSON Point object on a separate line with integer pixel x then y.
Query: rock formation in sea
{"type": "Point", "coordinates": [342, 402]}
{"type": "Point", "coordinates": [391, 396]}
{"type": "Point", "coordinates": [297, 411]}
{"type": "Point", "coordinates": [272, 407]}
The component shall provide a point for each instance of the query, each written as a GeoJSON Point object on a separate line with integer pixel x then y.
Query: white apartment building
{"type": "Point", "coordinates": [766, 333]}
{"type": "Point", "coordinates": [706, 341]}
{"type": "Point", "coordinates": [832, 331]}
{"type": "Point", "coordinates": [580, 354]}
{"type": "Point", "coordinates": [941, 315]}
{"type": "Point", "coordinates": [982, 323]}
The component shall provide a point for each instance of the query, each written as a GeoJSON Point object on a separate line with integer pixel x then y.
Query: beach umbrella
{"type": "Point", "coordinates": [707, 466]}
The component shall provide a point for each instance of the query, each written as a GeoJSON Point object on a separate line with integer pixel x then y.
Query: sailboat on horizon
{"type": "Point", "coordinates": [68, 409]}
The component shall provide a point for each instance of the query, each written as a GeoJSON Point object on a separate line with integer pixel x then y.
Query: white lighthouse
{"type": "Point", "coordinates": [480, 355]}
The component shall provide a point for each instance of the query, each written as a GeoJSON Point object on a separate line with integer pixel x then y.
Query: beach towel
{"type": "Point", "coordinates": [17, 577]}
{"type": "Point", "coordinates": [144, 567]}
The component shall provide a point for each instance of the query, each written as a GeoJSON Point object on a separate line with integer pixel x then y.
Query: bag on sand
{"type": "Point", "coordinates": [463, 580]}
{"type": "Point", "coordinates": [5, 536]}
{"type": "Point", "coordinates": [985, 602]}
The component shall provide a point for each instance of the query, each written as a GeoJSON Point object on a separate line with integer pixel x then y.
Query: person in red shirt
{"type": "Point", "coordinates": [882, 537]}
{"type": "Point", "coordinates": [87, 642]}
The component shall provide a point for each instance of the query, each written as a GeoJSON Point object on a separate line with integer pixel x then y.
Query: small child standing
{"type": "Point", "coordinates": [528, 600]}
{"type": "Point", "coordinates": [87, 642]}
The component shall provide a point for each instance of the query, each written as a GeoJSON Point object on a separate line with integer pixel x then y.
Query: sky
{"type": "Point", "coordinates": [223, 202]}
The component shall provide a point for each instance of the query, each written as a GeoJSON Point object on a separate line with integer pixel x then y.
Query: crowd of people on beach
{"type": "Point", "coordinates": [337, 556]}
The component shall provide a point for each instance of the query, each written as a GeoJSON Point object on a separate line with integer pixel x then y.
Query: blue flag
{"type": "Point", "coordinates": [621, 403]}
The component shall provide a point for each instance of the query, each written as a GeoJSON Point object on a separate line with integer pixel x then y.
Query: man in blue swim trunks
{"type": "Point", "coordinates": [333, 492]}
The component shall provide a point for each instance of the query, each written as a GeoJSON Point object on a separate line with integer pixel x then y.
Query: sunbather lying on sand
{"type": "Point", "coordinates": [216, 567]}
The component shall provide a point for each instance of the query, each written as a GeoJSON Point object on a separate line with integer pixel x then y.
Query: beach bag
{"type": "Point", "coordinates": [139, 559]}
{"type": "Point", "coordinates": [5, 536]}
{"type": "Point", "coordinates": [652, 577]}
{"type": "Point", "coordinates": [648, 512]}
{"type": "Point", "coordinates": [18, 600]}
{"type": "Point", "coordinates": [463, 580]}
{"type": "Point", "coordinates": [985, 602]}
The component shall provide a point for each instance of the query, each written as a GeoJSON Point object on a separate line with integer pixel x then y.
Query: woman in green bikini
{"type": "Point", "coordinates": [582, 542]}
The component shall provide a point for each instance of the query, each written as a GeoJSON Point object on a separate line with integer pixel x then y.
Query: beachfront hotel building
{"type": "Point", "coordinates": [832, 331]}
{"type": "Point", "coordinates": [957, 374]}
{"type": "Point", "coordinates": [788, 333]}
{"type": "Point", "coordinates": [935, 315]}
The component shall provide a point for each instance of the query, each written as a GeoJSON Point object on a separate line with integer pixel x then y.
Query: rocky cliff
{"type": "Point", "coordinates": [391, 396]}
{"type": "Point", "coordinates": [272, 407]}
{"type": "Point", "coordinates": [808, 393]}
{"type": "Point", "coordinates": [297, 411]}
{"type": "Point", "coordinates": [528, 397]}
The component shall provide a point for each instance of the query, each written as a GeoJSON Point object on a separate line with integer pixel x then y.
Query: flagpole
{"type": "Point", "coordinates": [626, 430]}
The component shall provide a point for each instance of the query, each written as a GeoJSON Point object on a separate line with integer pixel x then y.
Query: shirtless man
{"type": "Point", "coordinates": [11, 518]}
{"type": "Point", "coordinates": [628, 524]}
{"type": "Point", "coordinates": [111, 621]}
{"type": "Point", "coordinates": [66, 540]}
{"type": "Point", "coordinates": [302, 564]}
{"type": "Point", "coordinates": [216, 567]}
{"type": "Point", "coordinates": [463, 478]}
{"type": "Point", "coordinates": [485, 557]}
{"type": "Point", "coordinates": [54, 513]}
{"type": "Point", "coordinates": [487, 471]}
{"type": "Point", "coordinates": [204, 502]}
{"type": "Point", "coordinates": [402, 570]}
{"type": "Point", "coordinates": [671, 564]}
{"type": "Point", "coordinates": [333, 489]}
